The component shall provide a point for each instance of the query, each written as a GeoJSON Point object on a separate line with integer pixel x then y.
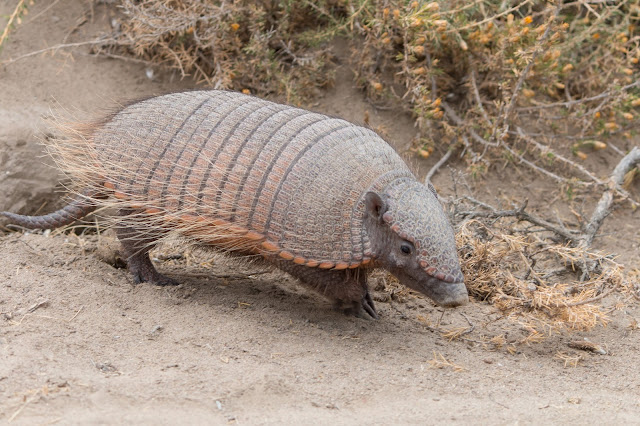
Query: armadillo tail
{"type": "Point", "coordinates": [76, 209]}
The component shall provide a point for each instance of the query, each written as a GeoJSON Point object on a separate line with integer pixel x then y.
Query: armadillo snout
{"type": "Point", "coordinates": [444, 293]}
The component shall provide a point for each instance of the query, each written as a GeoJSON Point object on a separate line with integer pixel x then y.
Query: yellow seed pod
{"type": "Point", "coordinates": [235, 26]}
{"type": "Point", "coordinates": [416, 22]}
{"type": "Point", "coordinates": [634, 60]}
{"type": "Point", "coordinates": [567, 68]}
{"type": "Point", "coordinates": [597, 115]}
{"type": "Point", "coordinates": [463, 45]}
{"type": "Point", "coordinates": [376, 86]}
{"type": "Point", "coordinates": [436, 103]}
{"type": "Point", "coordinates": [528, 93]}
{"type": "Point", "coordinates": [581, 155]}
{"type": "Point", "coordinates": [418, 50]}
{"type": "Point", "coordinates": [627, 71]}
{"type": "Point", "coordinates": [527, 20]}
{"type": "Point", "coordinates": [396, 13]}
{"type": "Point", "coordinates": [432, 7]}
{"type": "Point", "coordinates": [385, 12]}
{"type": "Point", "coordinates": [595, 36]}
{"type": "Point", "coordinates": [420, 71]}
{"type": "Point", "coordinates": [624, 39]}
{"type": "Point", "coordinates": [525, 31]}
{"type": "Point", "coordinates": [438, 114]}
{"type": "Point", "coordinates": [611, 125]}
{"type": "Point", "coordinates": [420, 40]}
{"type": "Point", "coordinates": [490, 25]}
{"type": "Point", "coordinates": [541, 29]}
{"type": "Point", "coordinates": [189, 30]}
{"type": "Point", "coordinates": [635, 102]}
{"type": "Point", "coordinates": [386, 40]}
{"type": "Point", "coordinates": [246, 91]}
{"type": "Point", "coordinates": [597, 145]}
{"type": "Point", "coordinates": [510, 19]}
{"type": "Point", "coordinates": [424, 153]}
{"type": "Point", "coordinates": [628, 116]}
{"type": "Point", "coordinates": [559, 85]}
{"type": "Point", "coordinates": [414, 5]}
{"type": "Point", "coordinates": [441, 24]}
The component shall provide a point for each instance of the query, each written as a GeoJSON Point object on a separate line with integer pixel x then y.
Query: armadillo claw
{"type": "Point", "coordinates": [368, 306]}
{"type": "Point", "coordinates": [363, 309]}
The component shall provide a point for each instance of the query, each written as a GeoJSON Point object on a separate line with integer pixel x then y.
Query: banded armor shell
{"type": "Point", "coordinates": [270, 178]}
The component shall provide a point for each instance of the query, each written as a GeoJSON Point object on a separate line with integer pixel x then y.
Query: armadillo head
{"type": "Point", "coordinates": [412, 238]}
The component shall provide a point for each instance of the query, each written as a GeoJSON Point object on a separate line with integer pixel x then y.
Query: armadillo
{"type": "Point", "coordinates": [320, 198]}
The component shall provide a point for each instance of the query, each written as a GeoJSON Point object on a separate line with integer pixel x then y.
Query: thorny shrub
{"type": "Point", "coordinates": [503, 63]}
{"type": "Point", "coordinates": [261, 47]}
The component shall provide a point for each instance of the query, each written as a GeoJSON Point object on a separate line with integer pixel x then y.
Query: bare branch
{"type": "Point", "coordinates": [602, 95]}
{"type": "Point", "coordinates": [520, 214]}
{"type": "Point", "coordinates": [439, 164]}
{"type": "Point", "coordinates": [546, 149]}
{"type": "Point", "coordinates": [533, 166]}
{"type": "Point", "coordinates": [459, 122]}
{"type": "Point", "coordinates": [476, 94]}
{"type": "Point", "coordinates": [603, 208]}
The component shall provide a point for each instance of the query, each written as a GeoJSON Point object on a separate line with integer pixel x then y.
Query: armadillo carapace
{"type": "Point", "coordinates": [321, 198]}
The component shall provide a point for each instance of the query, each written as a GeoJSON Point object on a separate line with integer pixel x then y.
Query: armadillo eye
{"type": "Point", "coordinates": [405, 248]}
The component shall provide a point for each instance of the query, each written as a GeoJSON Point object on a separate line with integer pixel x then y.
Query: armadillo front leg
{"type": "Point", "coordinates": [346, 288]}
{"type": "Point", "coordinates": [135, 246]}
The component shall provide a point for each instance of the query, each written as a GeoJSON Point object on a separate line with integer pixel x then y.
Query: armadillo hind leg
{"type": "Point", "coordinates": [135, 247]}
{"type": "Point", "coordinates": [346, 288]}
{"type": "Point", "coordinates": [76, 209]}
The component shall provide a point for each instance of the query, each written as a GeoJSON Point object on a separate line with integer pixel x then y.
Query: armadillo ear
{"type": "Point", "coordinates": [375, 205]}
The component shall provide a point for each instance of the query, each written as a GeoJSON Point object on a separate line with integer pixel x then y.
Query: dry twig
{"type": "Point", "coordinates": [13, 16]}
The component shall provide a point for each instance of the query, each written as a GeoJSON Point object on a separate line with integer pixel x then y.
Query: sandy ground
{"type": "Point", "coordinates": [235, 343]}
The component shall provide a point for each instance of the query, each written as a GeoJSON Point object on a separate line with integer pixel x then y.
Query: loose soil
{"type": "Point", "coordinates": [238, 343]}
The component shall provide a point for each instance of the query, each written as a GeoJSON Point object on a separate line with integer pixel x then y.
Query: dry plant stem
{"type": "Point", "coordinates": [539, 169]}
{"type": "Point", "coordinates": [603, 208]}
{"type": "Point", "coordinates": [603, 95]}
{"type": "Point", "coordinates": [521, 214]}
{"type": "Point", "coordinates": [546, 149]}
{"type": "Point", "coordinates": [57, 47]}
{"type": "Point", "coordinates": [523, 76]}
{"type": "Point", "coordinates": [439, 164]}
{"type": "Point", "coordinates": [13, 16]}
{"type": "Point", "coordinates": [459, 122]}
{"type": "Point", "coordinates": [491, 18]}
{"type": "Point", "coordinates": [593, 299]}
{"type": "Point", "coordinates": [476, 94]}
